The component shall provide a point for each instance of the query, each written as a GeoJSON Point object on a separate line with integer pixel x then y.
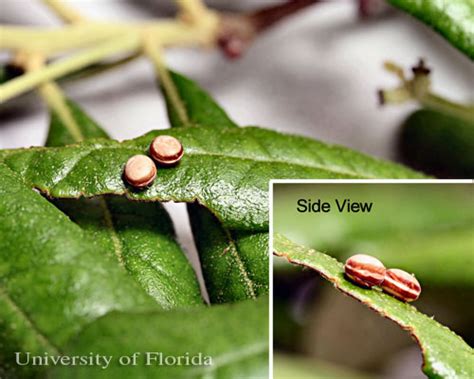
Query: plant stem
{"type": "Point", "coordinates": [153, 52]}
{"type": "Point", "coordinates": [167, 33]}
{"type": "Point", "coordinates": [266, 17]}
{"type": "Point", "coordinates": [28, 81]}
{"type": "Point", "coordinates": [50, 91]}
{"type": "Point", "coordinates": [99, 68]}
{"type": "Point", "coordinates": [192, 10]}
{"type": "Point", "coordinates": [174, 33]}
{"type": "Point", "coordinates": [442, 104]}
{"type": "Point", "coordinates": [48, 42]}
{"type": "Point", "coordinates": [64, 11]}
{"type": "Point", "coordinates": [237, 30]}
{"type": "Point", "coordinates": [54, 97]}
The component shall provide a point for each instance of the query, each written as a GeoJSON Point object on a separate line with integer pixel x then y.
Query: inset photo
{"type": "Point", "coordinates": [373, 279]}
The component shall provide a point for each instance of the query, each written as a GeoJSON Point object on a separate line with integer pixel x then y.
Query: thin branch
{"type": "Point", "coordinates": [166, 32]}
{"type": "Point", "coordinates": [442, 104]}
{"type": "Point", "coordinates": [50, 92]}
{"type": "Point", "coordinates": [54, 97]}
{"type": "Point", "coordinates": [99, 68]}
{"type": "Point", "coordinates": [59, 40]}
{"type": "Point", "coordinates": [192, 10]}
{"type": "Point", "coordinates": [26, 82]}
{"type": "Point", "coordinates": [373, 8]}
{"type": "Point", "coordinates": [237, 31]}
{"type": "Point", "coordinates": [266, 17]}
{"type": "Point", "coordinates": [153, 51]}
{"type": "Point", "coordinates": [64, 11]}
{"type": "Point", "coordinates": [199, 26]}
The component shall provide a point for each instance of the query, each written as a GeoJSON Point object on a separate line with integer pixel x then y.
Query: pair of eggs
{"type": "Point", "coordinates": [140, 170]}
{"type": "Point", "coordinates": [368, 271]}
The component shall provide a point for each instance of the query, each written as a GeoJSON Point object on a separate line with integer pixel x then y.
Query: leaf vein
{"type": "Point", "coordinates": [241, 266]}
{"type": "Point", "coordinates": [109, 223]}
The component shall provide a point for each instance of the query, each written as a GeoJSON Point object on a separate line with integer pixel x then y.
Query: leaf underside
{"type": "Point", "coordinates": [234, 263]}
{"type": "Point", "coordinates": [445, 354]}
{"type": "Point", "coordinates": [53, 279]}
{"type": "Point", "coordinates": [453, 19]}
{"type": "Point", "coordinates": [140, 237]}
{"type": "Point", "coordinates": [237, 342]}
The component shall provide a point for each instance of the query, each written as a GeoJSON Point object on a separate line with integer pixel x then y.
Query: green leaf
{"type": "Point", "coordinates": [445, 354]}
{"type": "Point", "coordinates": [60, 133]}
{"type": "Point", "coordinates": [226, 170]}
{"type": "Point", "coordinates": [53, 279]}
{"type": "Point", "coordinates": [166, 332]}
{"type": "Point", "coordinates": [234, 264]}
{"type": "Point", "coordinates": [188, 104]}
{"type": "Point", "coordinates": [139, 236]}
{"type": "Point", "coordinates": [438, 144]}
{"type": "Point", "coordinates": [453, 19]}
{"type": "Point", "coordinates": [237, 343]}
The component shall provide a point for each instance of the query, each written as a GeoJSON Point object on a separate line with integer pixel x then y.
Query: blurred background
{"type": "Point", "coordinates": [425, 229]}
{"type": "Point", "coordinates": [315, 73]}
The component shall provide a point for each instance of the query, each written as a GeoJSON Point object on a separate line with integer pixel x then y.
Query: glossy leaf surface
{"type": "Point", "coordinates": [226, 170]}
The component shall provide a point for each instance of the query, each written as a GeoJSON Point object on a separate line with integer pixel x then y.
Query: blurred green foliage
{"type": "Point", "coordinates": [427, 229]}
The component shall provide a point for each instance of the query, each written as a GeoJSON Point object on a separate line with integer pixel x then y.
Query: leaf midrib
{"type": "Point", "coordinates": [109, 224]}
{"type": "Point", "coordinates": [240, 264]}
